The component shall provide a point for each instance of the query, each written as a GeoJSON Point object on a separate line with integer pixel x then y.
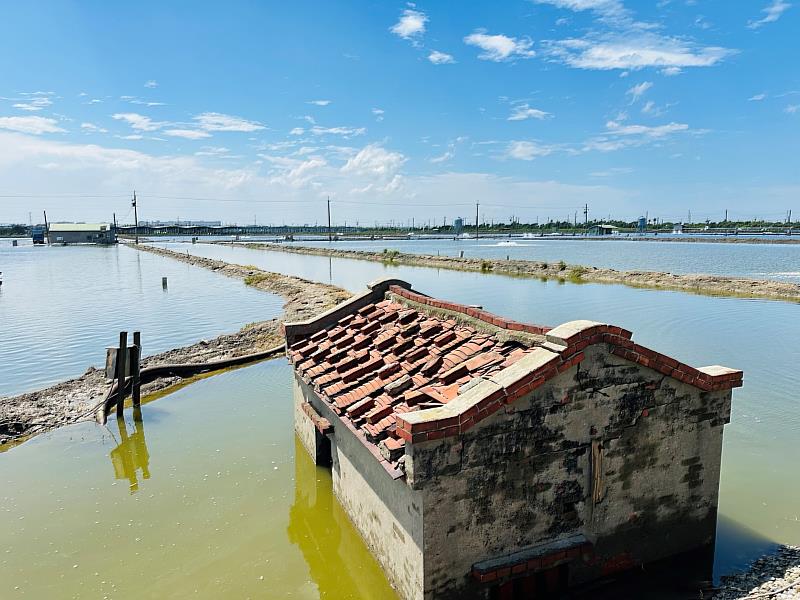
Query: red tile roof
{"type": "Point", "coordinates": [379, 358]}
{"type": "Point", "coordinates": [387, 359]}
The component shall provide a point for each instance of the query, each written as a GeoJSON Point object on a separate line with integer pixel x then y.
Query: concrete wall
{"type": "Point", "coordinates": [524, 476]}
{"type": "Point", "coordinates": [385, 511]}
{"type": "Point", "coordinates": [81, 237]}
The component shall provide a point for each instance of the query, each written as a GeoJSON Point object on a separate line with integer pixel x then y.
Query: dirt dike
{"type": "Point", "coordinates": [706, 285]}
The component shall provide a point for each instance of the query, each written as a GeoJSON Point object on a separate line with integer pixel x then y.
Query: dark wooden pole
{"type": "Point", "coordinates": [136, 357]}
{"type": "Point", "coordinates": [121, 356]}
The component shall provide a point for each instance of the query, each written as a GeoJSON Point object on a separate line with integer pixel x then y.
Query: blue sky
{"type": "Point", "coordinates": [249, 111]}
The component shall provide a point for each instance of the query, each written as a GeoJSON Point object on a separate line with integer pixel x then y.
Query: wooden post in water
{"type": "Point", "coordinates": [136, 357]}
{"type": "Point", "coordinates": [122, 352]}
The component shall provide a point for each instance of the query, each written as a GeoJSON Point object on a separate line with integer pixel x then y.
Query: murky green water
{"type": "Point", "coordinates": [61, 306]}
{"type": "Point", "coordinates": [759, 495]}
{"type": "Point", "coordinates": [210, 496]}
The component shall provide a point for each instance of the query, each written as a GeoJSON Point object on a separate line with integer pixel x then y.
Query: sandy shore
{"type": "Point", "coordinates": [73, 400]}
{"type": "Point", "coordinates": [708, 285]}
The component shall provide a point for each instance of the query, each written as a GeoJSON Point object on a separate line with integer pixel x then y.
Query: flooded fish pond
{"type": "Point", "coordinates": [61, 306]}
{"type": "Point", "coordinates": [208, 496]}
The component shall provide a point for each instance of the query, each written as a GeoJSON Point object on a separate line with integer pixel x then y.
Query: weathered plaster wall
{"type": "Point", "coordinates": [385, 511]}
{"type": "Point", "coordinates": [524, 475]}
{"type": "Point", "coordinates": [302, 422]}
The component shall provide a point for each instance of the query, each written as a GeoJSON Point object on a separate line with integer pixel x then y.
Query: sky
{"type": "Point", "coordinates": [259, 111]}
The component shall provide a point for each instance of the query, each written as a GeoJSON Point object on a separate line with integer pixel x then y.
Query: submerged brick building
{"type": "Point", "coordinates": [480, 457]}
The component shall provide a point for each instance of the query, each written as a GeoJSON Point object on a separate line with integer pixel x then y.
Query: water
{"type": "Point", "coordinates": [763, 261]}
{"type": "Point", "coordinates": [61, 306]}
{"type": "Point", "coordinates": [211, 498]}
{"type": "Point", "coordinates": [759, 493]}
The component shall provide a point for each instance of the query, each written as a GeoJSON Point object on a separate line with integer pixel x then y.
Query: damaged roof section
{"type": "Point", "coordinates": [400, 367]}
{"type": "Point", "coordinates": [391, 357]}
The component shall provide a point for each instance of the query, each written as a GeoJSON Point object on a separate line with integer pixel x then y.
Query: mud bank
{"type": "Point", "coordinates": [707, 285]}
{"type": "Point", "coordinates": [74, 400]}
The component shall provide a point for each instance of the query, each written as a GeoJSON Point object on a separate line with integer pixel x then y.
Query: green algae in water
{"type": "Point", "coordinates": [208, 496]}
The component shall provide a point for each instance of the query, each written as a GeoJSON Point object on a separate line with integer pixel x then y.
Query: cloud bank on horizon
{"type": "Point", "coordinates": [532, 108]}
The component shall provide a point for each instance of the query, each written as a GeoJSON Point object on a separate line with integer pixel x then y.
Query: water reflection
{"type": "Point", "coordinates": [319, 527]}
{"type": "Point", "coordinates": [131, 454]}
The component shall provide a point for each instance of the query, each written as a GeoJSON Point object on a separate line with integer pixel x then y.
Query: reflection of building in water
{"type": "Point", "coordinates": [131, 454]}
{"type": "Point", "coordinates": [318, 526]}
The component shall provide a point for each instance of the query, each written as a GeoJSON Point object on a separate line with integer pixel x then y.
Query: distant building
{"type": "Point", "coordinates": [677, 228]}
{"type": "Point", "coordinates": [483, 458]}
{"type": "Point", "coordinates": [38, 233]}
{"type": "Point", "coordinates": [458, 226]}
{"type": "Point", "coordinates": [81, 233]}
{"type": "Point", "coordinates": [603, 229]}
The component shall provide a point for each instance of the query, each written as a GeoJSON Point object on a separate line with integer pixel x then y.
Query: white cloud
{"type": "Point", "coordinates": [133, 136]}
{"type": "Point", "coordinates": [213, 121]}
{"type": "Point", "coordinates": [343, 131]}
{"type": "Point", "coordinates": [378, 112]}
{"type": "Point", "coordinates": [671, 71]}
{"type": "Point", "coordinates": [635, 52]}
{"type": "Point", "coordinates": [34, 125]}
{"type": "Point", "coordinates": [137, 121]}
{"type": "Point", "coordinates": [609, 9]}
{"type": "Point", "coordinates": [374, 160]}
{"type": "Point", "coordinates": [152, 83]}
{"type": "Point", "coordinates": [757, 98]}
{"type": "Point", "coordinates": [791, 109]}
{"type": "Point", "coordinates": [189, 134]}
{"type": "Point", "coordinates": [411, 24]}
{"type": "Point", "coordinates": [611, 172]}
{"type": "Point", "coordinates": [92, 128]}
{"type": "Point", "coordinates": [441, 58]}
{"type": "Point", "coordinates": [772, 12]}
{"type": "Point", "coordinates": [521, 112]}
{"type": "Point", "coordinates": [522, 150]}
{"type": "Point", "coordinates": [297, 174]}
{"type": "Point", "coordinates": [649, 107]}
{"type": "Point", "coordinates": [34, 104]}
{"type": "Point", "coordinates": [499, 48]}
{"type": "Point", "coordinates": [638, 90]}
{"type": "Point", "coordinates": [320, 102]}
{"type": "Point", "coordinates": [443, 157]}
{"type": "Point", "coordinates": [212, 151]}
{"type": "Point", "coordinates": [297, 131]}
{"type": "Point", "coordinates": [658, 131]}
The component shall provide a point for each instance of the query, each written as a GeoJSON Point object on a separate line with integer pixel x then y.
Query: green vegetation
{"type": "Point", "coordinates": [390, 255]}
{"type": "Point", "coordinates": [486, 266]}
{"type": "Point", "coordinates": [256, 278]}
{"type": "Point", "coordinates": [562, 265]}
{"type": "Point", "coordinates": [577, 272]}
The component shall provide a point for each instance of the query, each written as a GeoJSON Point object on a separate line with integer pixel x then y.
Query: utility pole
{"type": "Point", "coordinates": [690, 217]}
{"type": "Point", "coordinates": [726, 215]}
{"type": "Point", "coordinates": [330, 234]}
{"type": "Point", "coordinates": [46, 227]}
{"type": "Point", "coordinates": [136, 216]}
{"type": "Point", "coordinates": [586, 215]}
{"type": "Point", "coordinates": [477, 225]}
